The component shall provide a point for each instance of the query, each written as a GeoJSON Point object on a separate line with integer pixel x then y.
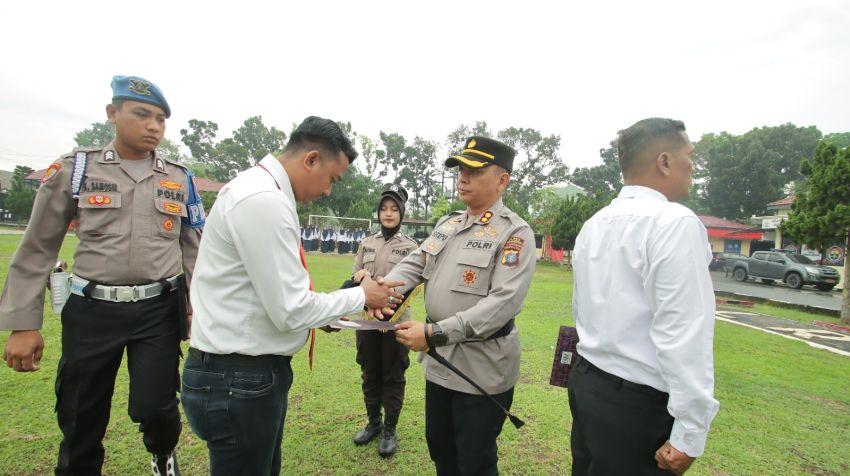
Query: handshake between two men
{"type": "Point", "coordinates": [381, 296]}
{"type": "Point", "coordinates": [382, 300]}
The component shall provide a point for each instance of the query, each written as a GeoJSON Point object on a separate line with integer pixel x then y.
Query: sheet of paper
{"type": "Point", "coordinates": [363, 325]}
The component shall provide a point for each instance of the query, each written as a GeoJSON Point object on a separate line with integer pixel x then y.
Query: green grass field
{"type": "Point", "coordinates": [784, 406]}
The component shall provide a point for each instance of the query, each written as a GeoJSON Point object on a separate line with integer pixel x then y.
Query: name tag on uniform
{"type": "Point", "coordinates": [98, 186]}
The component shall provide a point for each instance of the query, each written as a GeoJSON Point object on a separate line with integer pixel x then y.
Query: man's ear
{"type": "Point", "coordinates": [111, 110]}
{"type": "Point", "coordinates": [504, 180]}
{"type": "Point", "coordinates": [662, 162]}
{"type": "Point", "coordinates": [311, 159]}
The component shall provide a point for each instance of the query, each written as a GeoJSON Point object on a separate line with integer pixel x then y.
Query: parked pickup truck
{"type": "Point", "coordinates": [782, 265]}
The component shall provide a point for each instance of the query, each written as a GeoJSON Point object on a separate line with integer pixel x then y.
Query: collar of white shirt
{"type": "Point", "coordinates": [278, 173]}
{"type": "Point", "coordinates": [639, 191]}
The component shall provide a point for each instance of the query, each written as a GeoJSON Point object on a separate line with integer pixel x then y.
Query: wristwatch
{"type": "Point", "coordinates": [437, 338]}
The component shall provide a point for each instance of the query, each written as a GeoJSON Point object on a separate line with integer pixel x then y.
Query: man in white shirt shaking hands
{"type": "Point", "coordinates": [253, 301]}
{"type": "Point", "coordinates": [642, 392]}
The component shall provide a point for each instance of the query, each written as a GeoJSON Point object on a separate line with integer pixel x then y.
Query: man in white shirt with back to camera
{"type": "Point", "coordinates": [642, 392]}
{"type": "Point", "coordinates": [254, 306]}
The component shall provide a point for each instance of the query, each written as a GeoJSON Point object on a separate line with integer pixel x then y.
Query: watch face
{"type": "Point", "coordinates": [437, 336]}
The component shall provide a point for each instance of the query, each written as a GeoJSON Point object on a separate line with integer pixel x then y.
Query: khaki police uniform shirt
{"type": "Point", "coordinates": [476, 276]}
{"type": "Point", "coordinates": [378, 256]}
{"type": "Point", "coordinates": [130, 232]}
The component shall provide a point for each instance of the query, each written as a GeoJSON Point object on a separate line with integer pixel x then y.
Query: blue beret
{"type": "Point", "coordinates": [139, 89]}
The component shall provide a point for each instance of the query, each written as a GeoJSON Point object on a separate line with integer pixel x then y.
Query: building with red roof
{"type": "Point", "coordinates": [729, 236]}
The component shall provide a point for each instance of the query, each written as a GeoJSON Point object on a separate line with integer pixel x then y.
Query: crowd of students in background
{"type": "Point", "coordinates": [329, 239]}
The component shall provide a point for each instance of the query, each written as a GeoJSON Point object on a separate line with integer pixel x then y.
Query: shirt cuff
{"type": "Point", "coordinates": [357, 297]}
{"type": "Point", "coordinates": [692, 443]}
{"type": "Point", "coordinates": [453, 329]}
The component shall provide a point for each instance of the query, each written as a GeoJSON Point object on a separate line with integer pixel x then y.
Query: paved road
{"type": "Point", "coordinates": [778, 292]}
{"type": "Point", "coordinates": [815, 336]}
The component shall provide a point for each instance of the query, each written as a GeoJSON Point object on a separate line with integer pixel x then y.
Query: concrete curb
{"type": "Point", "coordinates": [789, 305]}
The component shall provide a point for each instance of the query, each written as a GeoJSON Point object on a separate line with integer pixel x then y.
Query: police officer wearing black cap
{"type": "Point", "coordinates": [139, 221]}
{"type": "Point", "coordinates": [382, 360]}
{"type": "Point", "coordinates": [477, 267]}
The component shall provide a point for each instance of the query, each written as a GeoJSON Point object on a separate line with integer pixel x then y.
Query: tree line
{"type": "Point", "coordinates": [735, 175]}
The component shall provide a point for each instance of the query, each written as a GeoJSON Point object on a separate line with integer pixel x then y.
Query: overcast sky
{"type": "Point", "coordinates": [581, 70]}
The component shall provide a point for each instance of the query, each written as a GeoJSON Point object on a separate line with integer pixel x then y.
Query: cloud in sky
{"type": "Point", "coordinates": [582, 71]}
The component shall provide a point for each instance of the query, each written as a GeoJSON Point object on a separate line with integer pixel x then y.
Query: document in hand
{"type": "Point", "coordinates": [364, 325]}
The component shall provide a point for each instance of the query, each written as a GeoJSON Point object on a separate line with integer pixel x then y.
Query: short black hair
{"type": "Point", "coordinates": [318, 131]}
{"type": "Point", "coordinates": [118, 102]}
{"type": "Point", "coordinates": [634, 140]}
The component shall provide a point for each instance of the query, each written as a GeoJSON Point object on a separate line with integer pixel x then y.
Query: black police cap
{"type": "Point", "coordinates": [395, 190]}
{"type": "Point", "coordinates": [483, 151]}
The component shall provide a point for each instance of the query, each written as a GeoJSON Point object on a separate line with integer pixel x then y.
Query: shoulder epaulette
{"type": "Point", "coordinates": [174, 162]}
{"type": "Point", "coordinates": [409, 239]}
{"type": "Point", "coordinates": [515, 219]}
{"type": "Point", "coordinates": [86, 149]}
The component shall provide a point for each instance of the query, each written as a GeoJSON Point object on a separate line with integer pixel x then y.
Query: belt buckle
{"type": "Point", "coordinates": [126, 293]}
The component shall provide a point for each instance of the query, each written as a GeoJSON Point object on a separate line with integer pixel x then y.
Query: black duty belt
{"type": "Point", "coordinates": [502, 332]}
{"type": "Point", "coordinates": [236, 359]}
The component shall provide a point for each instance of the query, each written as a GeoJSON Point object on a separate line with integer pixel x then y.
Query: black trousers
{"type": "Point", "coordinates": [461, 430]}
{"type": "Point", "coordinates": [617, 425]}
{"type": "Point", "coordinates": [383, 362]}
{"type": "Point", "coordinates": [94, 337]}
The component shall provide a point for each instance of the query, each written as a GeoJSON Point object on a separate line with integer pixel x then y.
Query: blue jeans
{"type": "Point", "coordinates": [237, 405]}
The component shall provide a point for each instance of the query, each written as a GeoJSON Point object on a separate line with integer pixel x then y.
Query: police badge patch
{"type": "Point", "coordinates": [510, 253]}
{"type": "Point", "coordinates": [51, 171]}
{"type": "Point", "coordinates": [510, 257]}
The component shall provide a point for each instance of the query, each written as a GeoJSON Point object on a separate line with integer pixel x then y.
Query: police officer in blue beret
{"type": "Point", "coordinates": [139, 222]}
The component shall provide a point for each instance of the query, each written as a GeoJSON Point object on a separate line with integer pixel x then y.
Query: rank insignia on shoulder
{"type": "Point", "coordinates": [159, 164]}
{"type": "Point", "coordinates": [109, 156]}
{"type": "Point", "coordinates": [486, 217]}
{"type": "Point", "coordinates": [51, 171]}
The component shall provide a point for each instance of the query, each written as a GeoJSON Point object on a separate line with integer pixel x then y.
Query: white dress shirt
{"type": "Point", "coordinates": [250, 292]}
{"type": "Point", "coordinates": [644, 308]}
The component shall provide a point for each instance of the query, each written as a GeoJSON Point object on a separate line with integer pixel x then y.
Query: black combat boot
{"type": "Point", "coordinates": [373, 428]}
{"type": "Point", "coordinates": [165, 465]}
{"type": "Point", "coordinates": [389, 445]}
